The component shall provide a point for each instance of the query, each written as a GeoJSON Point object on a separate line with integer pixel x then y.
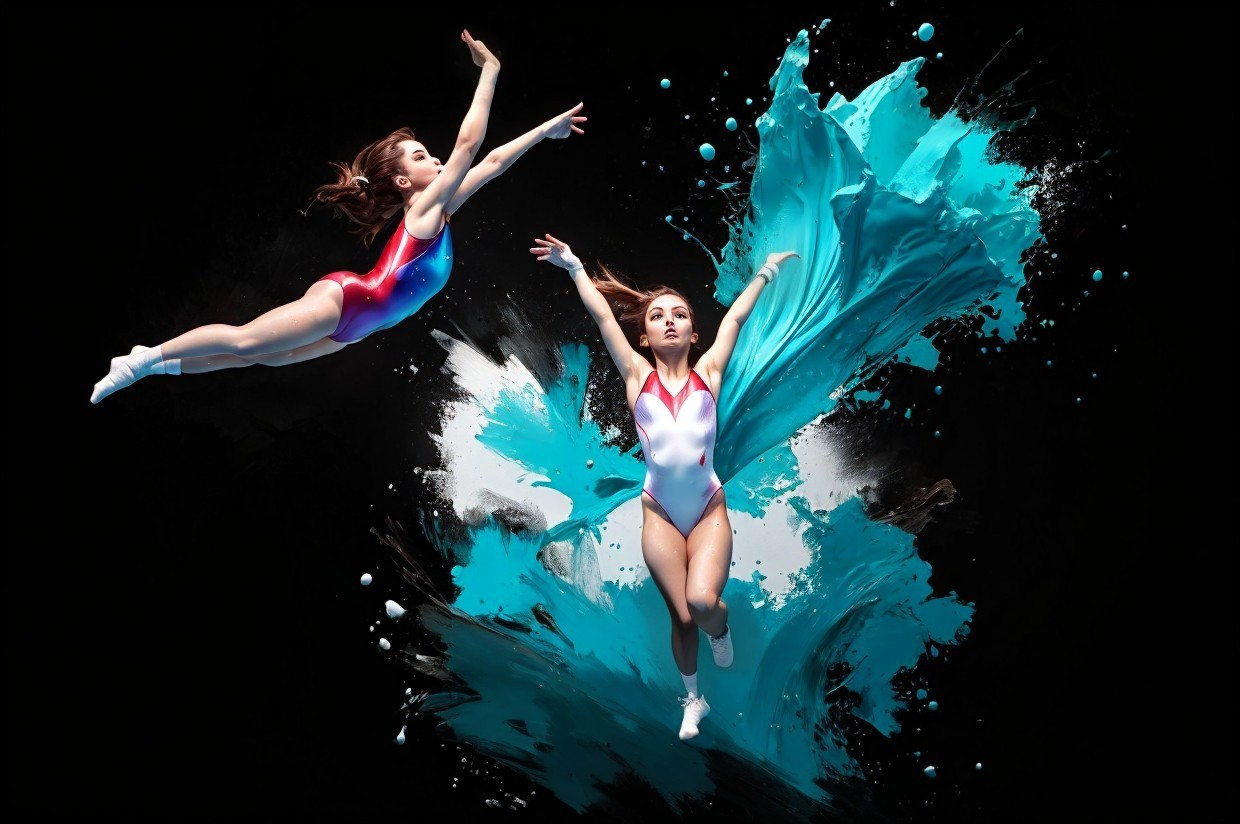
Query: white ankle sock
{"type": "Point", "coordinates": [160, 366]}
{"type": "Point", "coordinates": [690, 683]}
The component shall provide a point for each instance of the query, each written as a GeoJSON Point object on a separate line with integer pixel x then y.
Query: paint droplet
{"type": "Point", "coordinates": [707, 151]}
{"type": "Point", "coordinates": [930, 772]}
{"type": "Point", "coordinates": [384, 644]}
{"type": "Point", "coordinates": [939, 56]}
{"type": "Point", "coordinates": [938, 390]}
{"type": "Point", "coordinates": [978, 765]}
{"type": "Point", "coordinates": [1124, 275]}
{"type": "Point", "coordinates": [921, 695]}
{"type": "Point", "coordinates": [938, 434]}
{"type": "Point", "coordinates": [701, 184]}
{"type": "Point", "coordinates": [932, 706]}
{"type": "Point", "coordinates": [748, 101]}
{"type": "Point", "coordinates": [665, 83]}
{"type": "Point", "coordinates": [730, 124]}
{"type": "Point", "coordinates": [925, 31]}
{"type": "Point", "coordinates": [589, 463]}
{"type": "Point", "coordinates": [1097, 275]}
{"type": "Point", "coordinates": [366, 579]}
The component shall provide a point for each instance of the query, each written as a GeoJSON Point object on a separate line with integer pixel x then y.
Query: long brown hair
{"type": "Point", "coordinates": [363, 191]}
{"type": "Point", "coordinates": [630, 304]}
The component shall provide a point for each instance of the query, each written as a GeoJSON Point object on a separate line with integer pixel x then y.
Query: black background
{"type": "Point", "coordinates": [184, 630]}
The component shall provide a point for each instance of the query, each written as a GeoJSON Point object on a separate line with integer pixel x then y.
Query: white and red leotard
{"type": "Point", "coordinates": [677, 435]}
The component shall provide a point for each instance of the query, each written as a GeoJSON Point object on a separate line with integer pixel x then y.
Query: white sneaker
{"type": "Point", "coordinates": [696, 709]}
{"type": "Point", "coordinates": [721, 648]}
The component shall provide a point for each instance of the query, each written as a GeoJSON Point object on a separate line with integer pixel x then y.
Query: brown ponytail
{"type": "Point", "coordinates": [363, 191]}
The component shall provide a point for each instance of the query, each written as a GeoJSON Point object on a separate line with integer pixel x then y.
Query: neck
{"type": "Point", "coordinates": [673, 370]}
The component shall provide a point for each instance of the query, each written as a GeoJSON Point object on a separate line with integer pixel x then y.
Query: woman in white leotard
{"type": "Point", "coordinates": [686, 534]}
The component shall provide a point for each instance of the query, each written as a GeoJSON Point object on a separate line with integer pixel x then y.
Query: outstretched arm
{"type": "Point", "coordinates": [469, 138]}
{"type": "Point", "coordinates": [715, 360]}
{"type": "Point", "coordinates": [626, 358]}
{"type": "Point", "coordinates": [498, 160]}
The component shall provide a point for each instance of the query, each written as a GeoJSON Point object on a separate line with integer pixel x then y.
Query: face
{"type": "Point", "coordinates": [418, 165]}
{"type": "Point", "coordinates": [668, 325]}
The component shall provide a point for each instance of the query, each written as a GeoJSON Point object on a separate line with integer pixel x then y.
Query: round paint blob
{"type": "Point", "coordinates": [925, 31]}
{"type": "Point", "coordinates": [665, 83]}
{"type": "Point", "coordinates": [707, 151]}
{"type": "Point", "coordinates": [730, 124]}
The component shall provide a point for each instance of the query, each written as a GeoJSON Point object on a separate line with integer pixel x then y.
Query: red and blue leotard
{"type": "Point", "coordinates": [677, 434]}
{"type": "Point", "coordinates": [409, 272]}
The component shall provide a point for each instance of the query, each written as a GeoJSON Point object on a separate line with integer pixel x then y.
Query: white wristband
{"type": "Point", "coordinates": [767, 272]}
{"type": "Point", "coordinates": [572, 273]}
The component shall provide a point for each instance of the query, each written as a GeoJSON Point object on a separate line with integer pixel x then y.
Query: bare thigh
{"type": "Point", "coordinates": [709, 550]}
{"type": "Point", "coordinates": [666, 556]}
{"type": "Point", "coordinates": [318, 349]}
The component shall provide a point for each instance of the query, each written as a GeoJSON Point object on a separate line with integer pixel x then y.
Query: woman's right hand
{"type": "Point", "coordinates": [556, 251]}
{"type": "Point", "coordinates": [478, 51]}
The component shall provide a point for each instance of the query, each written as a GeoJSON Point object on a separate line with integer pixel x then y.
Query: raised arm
{"type": "Point", "coordinates": [626, 358]}
{"type": "Point", "coordinates": [469, 138]}
{"type": "Point", "coordinates": [500, 159]}
{"type": "Point", "coordinates": [715, 359]}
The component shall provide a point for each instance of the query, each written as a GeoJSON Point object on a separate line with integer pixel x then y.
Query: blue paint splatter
{"type": "Point", "coordinates": [902, 219]}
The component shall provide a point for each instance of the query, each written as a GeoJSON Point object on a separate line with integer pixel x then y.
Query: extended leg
{"type": "Point", "coordinates": [709, 548]}
{"type": "Point", "coordinates": [285, 329]}
{"type": "Point", "coordinates": [663, 548]}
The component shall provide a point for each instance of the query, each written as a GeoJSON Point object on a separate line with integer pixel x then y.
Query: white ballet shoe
{"type": "Point", "coordinates": [125, 370]}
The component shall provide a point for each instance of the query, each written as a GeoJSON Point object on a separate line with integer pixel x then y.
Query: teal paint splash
{"type": "Point", "coordinates": [901, 218]}
{"type": "Point", "coordinates": [564, 673]}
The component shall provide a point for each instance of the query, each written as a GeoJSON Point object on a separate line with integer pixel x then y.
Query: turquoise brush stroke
{"type": "Point", "coordinates": [902, 219]}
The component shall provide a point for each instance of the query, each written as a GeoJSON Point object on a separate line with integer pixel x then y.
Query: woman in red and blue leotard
{"type": "Point", "coordinates": [686, 533]}
{"type": "Point", "coordinates": [392, 175]}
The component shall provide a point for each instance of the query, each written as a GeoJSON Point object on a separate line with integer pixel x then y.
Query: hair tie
{"type": "Point", "coordinates": [361, 180]}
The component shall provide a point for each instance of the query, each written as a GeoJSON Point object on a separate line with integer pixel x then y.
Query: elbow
{"type": "Point", "coordinates": [492, 164]}
{"type": "Point", "coordinates": [468, 144]}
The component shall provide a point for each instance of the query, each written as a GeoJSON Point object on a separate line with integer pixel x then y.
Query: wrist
{"type": "Point", "coordinates": [767, 272]}
{"type": "Point", "coordinates": [574, 270]}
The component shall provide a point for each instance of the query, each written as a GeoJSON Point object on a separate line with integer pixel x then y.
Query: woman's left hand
{"type": "Point", "coordinates": [777, 258]}
{"type": "Point", "coordinates": [565, 124]}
